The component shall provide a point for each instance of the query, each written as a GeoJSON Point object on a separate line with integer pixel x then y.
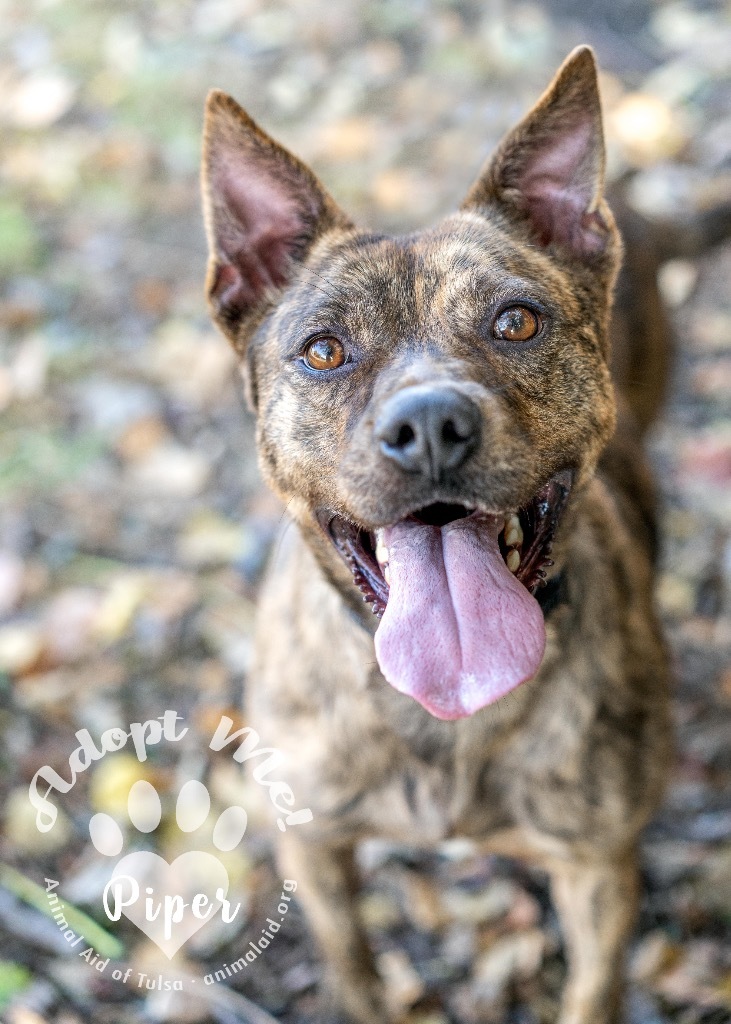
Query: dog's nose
{"type": "Point", "coordinates": [428, 430]}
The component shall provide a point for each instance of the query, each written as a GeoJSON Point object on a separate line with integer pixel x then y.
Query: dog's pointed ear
{"type": "Point", "coordinates": [549, 170]}
{"type": "Point", "coordinates": [263, 210]}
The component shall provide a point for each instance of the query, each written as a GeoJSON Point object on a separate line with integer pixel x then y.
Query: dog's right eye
{"type": "Point", "coordinates": [324, 354]}
{"type": "Point", "coordinates": [517, 323]}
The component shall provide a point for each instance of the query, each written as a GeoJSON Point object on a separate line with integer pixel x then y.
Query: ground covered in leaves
{"type": "Point", "coordinates": [133, 527]}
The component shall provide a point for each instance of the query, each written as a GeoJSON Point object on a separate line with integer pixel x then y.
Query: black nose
{"type": "Point", "coordinates": [428, 430]}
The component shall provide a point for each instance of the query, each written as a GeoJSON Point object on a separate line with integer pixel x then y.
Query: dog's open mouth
{"type": "Point", "coordinates": [454, 587]}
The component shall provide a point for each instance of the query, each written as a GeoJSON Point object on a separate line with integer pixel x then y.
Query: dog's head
{"type": "Point", "coordinates": [426, 403]}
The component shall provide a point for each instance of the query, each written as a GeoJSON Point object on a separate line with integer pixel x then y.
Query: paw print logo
{"type": "Point", "coordinates": [169, 902]}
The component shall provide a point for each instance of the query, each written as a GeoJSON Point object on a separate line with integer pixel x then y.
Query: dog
{"type": "Point", "coordinates": [457, 638]}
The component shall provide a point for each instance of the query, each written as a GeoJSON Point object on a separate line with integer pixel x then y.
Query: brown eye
{"type": "Point", "coordinates": [517, 324]}
{"type": "Point", "coordinates": [324, 354]}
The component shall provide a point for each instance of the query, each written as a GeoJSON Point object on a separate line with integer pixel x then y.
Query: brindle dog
{"type": "Point", "coordinates": [438, 414]}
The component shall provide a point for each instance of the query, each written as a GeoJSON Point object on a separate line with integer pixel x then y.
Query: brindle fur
{"type": "Point", "coordinates": [566, 769]}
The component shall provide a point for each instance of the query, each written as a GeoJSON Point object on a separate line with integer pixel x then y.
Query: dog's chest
{"type": "Point", "coordinates": [415, 802]}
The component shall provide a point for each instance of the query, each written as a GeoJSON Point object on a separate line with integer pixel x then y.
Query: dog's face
{"type": "Point", "coordinates": [426, 403]}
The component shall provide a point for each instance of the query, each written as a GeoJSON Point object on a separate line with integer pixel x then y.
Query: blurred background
{"type": "Point", "coordinates": [133, 526]}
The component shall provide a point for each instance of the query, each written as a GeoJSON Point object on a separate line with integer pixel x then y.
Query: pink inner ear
{"type": "Point", "coordinates": [258, 225]}
{"type": "Point", "coordinates": [558, 187]}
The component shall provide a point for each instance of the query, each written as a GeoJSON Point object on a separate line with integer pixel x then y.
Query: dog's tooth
{"type": "Point", "coordinates": [513, 532]}
{"type": "Point", "coordinates": [513, 560]}
{"type": "Point", "coordinates": [381, 549]}
{"type": "Point", "coordinates": [387, 574]}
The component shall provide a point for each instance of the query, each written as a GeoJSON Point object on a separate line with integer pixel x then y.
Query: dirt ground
{"type": "Point", "coordinates": [134, 528]}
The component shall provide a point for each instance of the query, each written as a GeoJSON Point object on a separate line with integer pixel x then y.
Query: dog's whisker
{"type": "Point", "coordinates": [330, 284]}
{"type": "Point", "coordinates": [338, 292]}
{"type": "Point", "coordinates": [328, 295]}
{"type": "Point", "coordinates": [281, 532]}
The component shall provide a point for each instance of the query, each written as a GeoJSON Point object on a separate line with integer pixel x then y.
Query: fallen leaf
{"type": "Point", "coordinates": [21, 1014]}
{"type": "Point", "coordinates": [398, 188]}
{"type": "Point", "coordinates": [348, 139]}
{"type": "Point", "coordinates": [378, 911]}
{"type": "Point", "coordinates": [118, 606]}
{"type": "Point", "coordinates": [39, 100]}
{"type": "Point", "coordinates": [208, 539]}
{"type": "Point", "coordinates": [171, 470]}
{"type": "Point", "coordinates": [653, 955]}
{"type": "Point", "coordinates": [488, 903]}
{"type": "Point", "coordinates": [21, 646]}
{"type": "Point", "coordinates": [403, 984]}
{"type": "Point", "coordinates": [647, 128]}
{"type": "Point", "coordinates": [514, 956]}
{"type": "Point", "coordinates": [677, 279]}
{"type": "Point", "coordinates": [153, 296]}
{"type": "Point", "coordinates": [112, 780]}
{"type": "Point", "coordinates": [422, 902]}
{"type": "Point", "coordinates": [29, 367]}
{"type": "Point", "coordinates": [21, 830]}
{"type": "Point", "coordinates": [141, 438]}
{"type": "Point", "coordinates": [69, 624]}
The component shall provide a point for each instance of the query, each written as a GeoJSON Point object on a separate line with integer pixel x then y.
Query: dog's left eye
{"type": "Point", "coordinates": [324, 354]}
{"type": "Point", "coordinates": [518, 323]}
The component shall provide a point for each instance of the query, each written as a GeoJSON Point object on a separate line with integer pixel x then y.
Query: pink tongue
{"type": "Point", "coordinates": [459, 630]}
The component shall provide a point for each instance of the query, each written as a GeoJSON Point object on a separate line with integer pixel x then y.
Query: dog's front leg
{"type": "Point", "coordinates": [597, 907]}
{"type": "Point", "coordinates": [326, 886]}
